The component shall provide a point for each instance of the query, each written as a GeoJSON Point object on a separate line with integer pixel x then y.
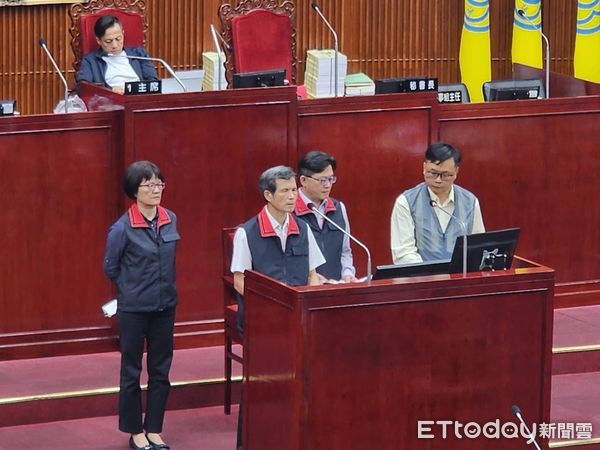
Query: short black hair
{"type": "Point", "coordinates": [104, 23]}
{"type": "Point", "coordinates": [268, 179]}
{"type": "Point", "coordinates": [442, 151]}
{"type": "Point", "coordinates": [138, 172]}
{"type": "Point", "coordinates": [315, 161]}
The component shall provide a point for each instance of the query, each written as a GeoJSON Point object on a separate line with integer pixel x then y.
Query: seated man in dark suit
{"type": "Point", "coordinates": [109, 64]}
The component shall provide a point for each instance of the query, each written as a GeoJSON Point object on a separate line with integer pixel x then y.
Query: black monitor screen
{"type": "Point", "coordinates": [412, 270]}
{"type": "Point", "coordinates": [513, 90]}
{"type": "Point", "coordinates": [493, 250]}
{"type": "Point", "coordinates": [514, 93]}
{"type": "Point", "coordinates": [265, 78]}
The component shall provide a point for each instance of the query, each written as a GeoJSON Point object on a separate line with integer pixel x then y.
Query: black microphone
{"type": "Point", "coordinates": [522, 14]}
{"type": "Point", "coordinates": [42, 43]}
{"type": "Point", "coordinates": [313, 208]}
{"type": "Point", "coordinates": [434, 204]}
{"type": "Point", "coordinates": [147, 58]}
{"type": "Point", "coordinates": [517, 412]}
{"type": "Point", "coordinates": [316, 7]}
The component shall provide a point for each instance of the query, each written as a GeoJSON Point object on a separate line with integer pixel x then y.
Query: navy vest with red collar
{"type": "Point", "coordinates": [290, 267]}
{"type": "Point", "coordinates": [329, 238]}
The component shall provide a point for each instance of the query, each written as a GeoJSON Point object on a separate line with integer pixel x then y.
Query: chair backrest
{"type": "Point", "coordinates": [227, 241]}
{"type": "Point", "coordinates": [83, 17]}
{"type": "Point", "coordinates": [261, 36]}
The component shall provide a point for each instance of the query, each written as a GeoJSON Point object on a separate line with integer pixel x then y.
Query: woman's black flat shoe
{"type": "Point", "coordinates": [156, 446]}
{"type": "Point", "coordinates": [135, 447]}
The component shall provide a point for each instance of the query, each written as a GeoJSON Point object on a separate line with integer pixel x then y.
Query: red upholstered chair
{"type": "Point", "coordinates": [261, 36]}
{"type": "Point", "coordinates": [232, 336]}
{"type": "Point", "coordinates": [83, 16]}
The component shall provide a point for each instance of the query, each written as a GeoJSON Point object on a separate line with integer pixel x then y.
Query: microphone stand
{"type": "Point", "coordinates": [317, 8]}
{"type": "Point", "coordinates": [464, 230]}
{"type": "Point", "coordinates": [522, 14]}
{"type": "Point", "coordinates": [146, 58]}
{"type": "Point", "coordinates": [218, 48]}
{"type": "Point", "coordinates": [313, 208]}
{"type": "Point", "coordinates": [42, 43]}
{"type": "Point", "coordinates": [517, 412]}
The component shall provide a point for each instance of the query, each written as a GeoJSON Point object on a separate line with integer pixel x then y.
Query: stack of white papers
{"type": "Point", "coordinates": [359, 84]}
{"type": "Point", "coordinates": [319, 77]}
{"type": "Point", "coordinates": [210, 63]}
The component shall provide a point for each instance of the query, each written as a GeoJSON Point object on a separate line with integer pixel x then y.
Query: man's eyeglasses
{"type": "Point", "coordinates": [325, 180]}
{"type": "Point", "coordinates": [432, 174]}
{"type": "Point", "coordinates": [152, 186]}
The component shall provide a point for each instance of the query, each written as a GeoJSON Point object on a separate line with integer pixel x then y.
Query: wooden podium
{"type": "Point", "coordinates": [358, 366]}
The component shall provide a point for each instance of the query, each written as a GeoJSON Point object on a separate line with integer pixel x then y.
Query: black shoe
{"type": "Point", "coordinates": [156, 446]}
{"type": "Point", "coordinates": [135, 447]}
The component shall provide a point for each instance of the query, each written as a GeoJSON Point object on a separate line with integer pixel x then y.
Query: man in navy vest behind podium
{"type": "Point", "coordinates": [421, 232]}
{"type": "Point", "coordinates": [317, 178]}
{"type": "Point", "coordinates": [273, 242]}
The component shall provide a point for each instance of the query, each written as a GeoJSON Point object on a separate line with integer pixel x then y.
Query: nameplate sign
{"type": "Point", "coordinates": [450, 97]}
{"type": "Point", "coordinates": [143, 87]}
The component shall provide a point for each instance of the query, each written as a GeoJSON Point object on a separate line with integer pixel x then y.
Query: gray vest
{"type": "Point", "coordinates": [432, 243]}
{"type": "Point", "coordinates": [329, 239]}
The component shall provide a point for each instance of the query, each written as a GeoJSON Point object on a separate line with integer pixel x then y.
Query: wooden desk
{"type": "Point", "coordinates": [356, 367]}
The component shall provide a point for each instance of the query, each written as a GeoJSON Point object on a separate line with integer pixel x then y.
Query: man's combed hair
{"type": "Point", "coordinates": [315, 161]}
{"type": "Point", "coordinates": [104, 23]}
{"type": "Point", "coordinates": [268, 179]}
{"type": "Point", "coordinates": [442, 151]}
{"type": "Point", "coordinates": [137, 173]}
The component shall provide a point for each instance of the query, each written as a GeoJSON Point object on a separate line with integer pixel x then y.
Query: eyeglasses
{"type": "Point", "coordinates": [432, 174]}
{"type": "Point", "coordinates": [152, 186]}
{"type": "Point", "coordinates": [325, 180]}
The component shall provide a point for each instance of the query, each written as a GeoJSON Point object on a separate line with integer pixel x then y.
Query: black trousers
{"type": "Point", "coordinates": [156, 330]}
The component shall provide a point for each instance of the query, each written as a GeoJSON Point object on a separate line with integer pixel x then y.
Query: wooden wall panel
{"type": "Point", "coordinates": [382, 38]}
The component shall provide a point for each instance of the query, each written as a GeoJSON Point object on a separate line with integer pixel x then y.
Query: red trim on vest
{"type": "Point", "coordinates": [137, 220]}
{"type": "Point", "coordinates": [301, 208]}
{"type": "Point", "coordinates": [266, 228]}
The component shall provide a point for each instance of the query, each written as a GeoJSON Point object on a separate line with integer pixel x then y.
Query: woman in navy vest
{"type": "Point", "coordinates": [140, 260]}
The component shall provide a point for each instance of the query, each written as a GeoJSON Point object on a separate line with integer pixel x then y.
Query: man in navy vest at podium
{"type": "Point", "coordinates": [420, 230]}
{"type": "Point", "coordinates": [274, 243]}
{"type": "Point", "coordinates": [317, 177]}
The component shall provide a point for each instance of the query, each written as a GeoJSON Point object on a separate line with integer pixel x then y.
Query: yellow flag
{"type": "Point", "coordinates": [475, 54]}
{"type": "Point", "coordinates": [587, 41]}
{"type": "Point", "coordinates": [527, 38]}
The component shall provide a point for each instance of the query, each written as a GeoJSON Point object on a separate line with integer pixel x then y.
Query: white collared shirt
{"type": "Point", "coordinates": [402, 230]}
{"type": "Point", "coordinates": [241, 259]}
{"type": "Point", "coordinates": [119, 70]}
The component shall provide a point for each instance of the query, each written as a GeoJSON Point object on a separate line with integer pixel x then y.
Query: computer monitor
{"type": "Point", "coordinates": [513, 90]}
{"type": "Point", "coordinates": [493, 250]}
{"type": "Point", "coordinates": [412, 270]}
{"type": "Point", "coordinates": [263, 78]}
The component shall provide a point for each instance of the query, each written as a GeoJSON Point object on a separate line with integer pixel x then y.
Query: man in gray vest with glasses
{"type": "Point", "coordinates": [420, 231]}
